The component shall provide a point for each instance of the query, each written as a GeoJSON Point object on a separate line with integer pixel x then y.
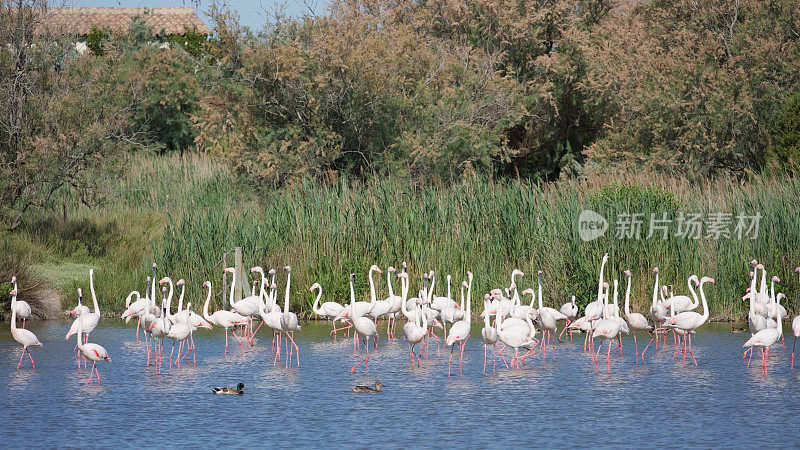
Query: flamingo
{"type": "Point", "coordinates": [327, 310]}
{"type": "Point", "coordinates": [459, 332]}
{"type": "Point", "coordinates": [272, 318]}
{"type": "Point", "coordinates": [179, 331]}
{"type": "Point", "coordinates": [764, 339]}
{"type": "Point", "coordinates": [222, 318]}
{"type": "Point", "coordinates": [755, 321]}
{"type": "Point", "coordinates": [570, 311]}
{"type": "Point", "coordinates": [681, 303]}
{"type": "Point", "coordinates": [514, 337]}
{"type": "Point", "coordinates": [159, 330]}
{"type": "Point", "coordinates": [24, 337]}
{"type": "Point", "coordinates": [546, 320]}
{"type": "Point", "coordinates": [688, 321]}
{"type": "Point", "coordinates": [289, 323]}
{"type": "Point", "coordinates": [86, 320]}
{"type": "Point", "coordinates": [363, 326]}
{"type": "Point", "coordinates": [636, 321]}
{"type": "Point", "coordinates": [92, 352]}
{"type": "Point", "coordinates": [22, 307]}
{"type": "Point", "coordinates": [489, 335]}
{"type": "Point", "coordinates": [658, 314]}
{"type": "Point", "coordinates": [414, 332]}
{"type": "Point", "coordinates": [606, 328]}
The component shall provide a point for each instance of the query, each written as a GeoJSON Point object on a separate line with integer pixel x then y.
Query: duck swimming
{"type": "Point", "coordinates": [239, 390]}
{"type": "Point", "coordinates": [738, 330]}
{"type": "Point", "coordinates": [368, 389]}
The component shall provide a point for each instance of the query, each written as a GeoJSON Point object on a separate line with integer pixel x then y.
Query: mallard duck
{"type": "Point", "coordinates": [368, 389]}
{"type": "Point", "coordinates": [738, 330]}
{"type": "Point", "coordinates": [229, 391]}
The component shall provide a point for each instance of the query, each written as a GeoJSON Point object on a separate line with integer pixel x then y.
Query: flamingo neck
{"type": "Point", "coordinates": [315, 306]}
{"type": "Point", "coordinates": [695, 300]}
{"type": "Point", "coordinates": [628, 298]}
{"type": "Point", "coordinates": [371, 288]}
{"type": "Point", "coordinates": [205, 306]}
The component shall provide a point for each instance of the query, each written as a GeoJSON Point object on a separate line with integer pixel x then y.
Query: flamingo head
{"type": "Point", "coordinates": [229, 270]}
{"type": "Point", "coordinates": [517, 272]}
{"type": "Point", "coordinates": [776, 279]}
{"type": "Point", "coordinates": [753, 263]}
{"type": "Point", "coordinates": [315, 286]}
{"type": "Point", "coordinates": [708, 280]}
{"type": "Point", "coordinates": [352, 277]}
{"type": "Point", "coordinates": [14, 278]}
{"type": "Point", "coordinates": [528, 291]}
{"type": "Point", "coordinates": [180, 282]}
{"type": "Point", "coordinates": [747, 290]}
{"type": "Point", "coordinates": [465, 284]}
{"type": "Point", "coordinates": [13, 293]}
{"type": "Point", "coordinates": [430, 274]}
{"type": "Point", "coordinates": [404, 266]}
{"type": "Point", "coordinates": [780, 296]}
{"type": "Point", "coordinates": [486, 297]}
{"type": "Point", "coordinates": [605, 284]}
{"type": "Point", "coordinates": [797, 270]}
{"type": "Point", "coordinates": [256, 269]}
{"type": "Point", "coordinates": [287, 269]}
{"type": "Point", "coordinates": [760, 267]}
{"type": "Point", "coordinates": [206, 284]}
{"type": "Point", "coordinates": [375, 268]}
{"type": "Point", "coordinates": [154, 265]}
{"type": "Point", "coordinates": [628, 273]}
{"type": "Point", "coordinates": [272, 271]}
{"type": "Point", "coordinates": [163, 280]}
{"type": "Point", "coordinates": [392, 269]}
{"type": "Point", "coordinates": [274, 286]}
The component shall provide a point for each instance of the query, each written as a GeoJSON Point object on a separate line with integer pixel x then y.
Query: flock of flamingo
{"type": "Point", "coordinates": [508, 323]}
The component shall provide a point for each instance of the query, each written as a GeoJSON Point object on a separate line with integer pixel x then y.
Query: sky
{"type": "Point", "coordinates": [251, 12]}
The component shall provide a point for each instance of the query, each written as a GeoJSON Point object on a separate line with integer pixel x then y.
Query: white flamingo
{"type": "Point", "coordinates": [92, 352]}
{"type": "Point", "coordinates": [459, 332]}
{"type": "Point", "coordinates": [689, 321]}
{"type": "Point", "coordinates": [636, 321]}
{"type": "Point", "coordinates": [24, 337]}
{"type": "Point", "coordinates": [23, 308]}
{"type": "Point", "coordinates": [222, 318]}
{"type": "Point", "coordinates": [363, 326]}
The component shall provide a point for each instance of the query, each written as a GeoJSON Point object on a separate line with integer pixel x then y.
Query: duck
{"type": "Point", "coordinates": [238, 390]}
{"type": "Point", "coordinates": [738, 329]}
{"type": "Point", "coordinates": [368, 389]}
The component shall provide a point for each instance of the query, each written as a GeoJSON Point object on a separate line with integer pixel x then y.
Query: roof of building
{"type": "Point", "coordinates": [79, 21]}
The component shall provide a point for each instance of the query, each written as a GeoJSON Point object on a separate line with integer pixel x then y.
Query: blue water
{"type": "Point", "coordinates": [562, 403]}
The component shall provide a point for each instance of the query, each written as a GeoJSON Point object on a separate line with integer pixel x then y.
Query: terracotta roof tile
{"type": "Point", "coordinates": [79, 21]}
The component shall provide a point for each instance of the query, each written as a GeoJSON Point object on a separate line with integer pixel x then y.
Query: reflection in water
{"type": "Point", "coordinates": [307, 406]}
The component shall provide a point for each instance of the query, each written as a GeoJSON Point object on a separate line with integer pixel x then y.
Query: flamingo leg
{"type": "Point", "coordinates": [23, 355]}
{"type": "Point", "coordinates": [461, 359]}
{"type": "Point", "coordinates": [484, 357]}
{"type": "Point", "coordinates": [170, 354]}
{"type": "Point", "coordinates": [450, 359]}
{"type": "Point", "coordinates": [793, 345]}
{"type": "Point", "coordinates": [138, 322]}
{"type": "Point", "coordinates": [91, 374]}
{"type": "Point", "coordinates": [608, 356]}
{"type": "Point", "coordinates": [689, 338]}
{"type": "Point", "coordinates": [226, 342]}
